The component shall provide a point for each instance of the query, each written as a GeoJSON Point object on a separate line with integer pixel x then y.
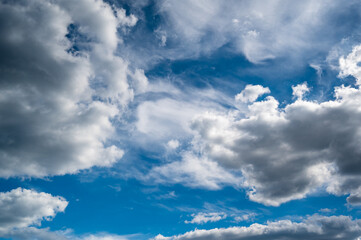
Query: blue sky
{"type": "Point", "coordinates": [175, 120]}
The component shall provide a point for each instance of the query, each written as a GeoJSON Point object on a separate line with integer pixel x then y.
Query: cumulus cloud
{"type": "Point", "coordinates": [20, 208]}
{"type": "Point", "coordinates": [350, 65]}
{"type": "Point", "coordinates": [251, 93]}
{"type": "Point", "coordinates": [300, 90]}
{"type": "Point", "coordinates": [277, 154]}
{"type": "Point", "coordinates": [61, 85]}
{"type": "Point", "coordinates": [201, 218]}
{"type": "Point", "coordinates": [313, 227]}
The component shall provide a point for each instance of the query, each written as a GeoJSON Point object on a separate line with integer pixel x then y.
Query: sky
{"type": "Point", "coordinates": [180, 120]}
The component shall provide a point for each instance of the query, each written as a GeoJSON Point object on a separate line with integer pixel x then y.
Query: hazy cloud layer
{"type": "Point", "coordinates": [314, 227]}
{"type": "Point", "coordinates": [61, 84]}
{"type": "Point", "coordinates": [259, 30]}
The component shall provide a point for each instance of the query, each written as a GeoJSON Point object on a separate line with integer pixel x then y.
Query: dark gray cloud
{"type": "Point", "coordinates": [314, 227]}
{"type": "Point", "coordinates": [54, 118]}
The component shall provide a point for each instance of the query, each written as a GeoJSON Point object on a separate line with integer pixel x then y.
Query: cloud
{"type": "Point", "coordinates": [201, 218]}
{"type": "Point", "coordinates": [62, 85]}
{"type": "Point", "coordinates": [164, 118]}
{"type": "Point", "coordinates": [20, 208]}
{"type": "Point", "coordinates": [163, 115]}
{"type": "Point", "coordinates": [173, 144]}
{"type": "Point", "coordinates": [245, 217]}
{"type": "Point", "coordinates": [313, 227]}
{"type": "Point", "coordinates": [192, 171]}
{"type": "Point", "coordinates": [106, 236]}
{"type": "Point", "coordinates": [31, 233]}
{"type": "Point", "coordinates": [251, 93]}
{"type": "Point", "coordinates": [351, 64]}
{"type": "Point", "coordinates": [258, 30]}
{"type": "Point", "coordinates": [300, 90]}
{"type": "Point", "coordinates": [276, 154]}
{"type": "Point", "coordinates": [23, 210]}
{"type": "Point", "coordinates": [327, 210]}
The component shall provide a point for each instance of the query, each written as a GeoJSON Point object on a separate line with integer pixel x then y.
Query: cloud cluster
{"type": "Point", "coordinates": [313, 227]}
{"type": "Point", "coordinates": [281, 153]}
{"type": "Point", "coordinates": [61, 85]}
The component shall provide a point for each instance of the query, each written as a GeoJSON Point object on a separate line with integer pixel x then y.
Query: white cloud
{"type": "Point", "coordinates": [251, 93]}
{"type": "Point", "coordinates": [259, 30]}
{"type": "Point", "coordinates": [192, 171]}
{"type": "Point", "coordinates": [201, 218]}
{"type": "Point", "coordinates": [313, 227]}
{"type": "Point", "coordinates": [20, 208]}
{"type": "Point", "coordinates": [351, 64]}
{"type": "Point", "coordinates": [245, 217]}
{"type": "Point", "coordinates": [62, 84]}
{"type": "Point", "coordinates": [327, 210]}
{"type": "Point", "coordinates": [300, 90]}
{"type": "Point", "coordinates": [173, 144]}
{"type": "Point", "coordinates": [165, 116]}
{"type": "Point", "coordinates": [31, 233]}
{"type": "Point", "coordinates": [104, 236]}
{"type": "Point", "coordinates": [169, 195]}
